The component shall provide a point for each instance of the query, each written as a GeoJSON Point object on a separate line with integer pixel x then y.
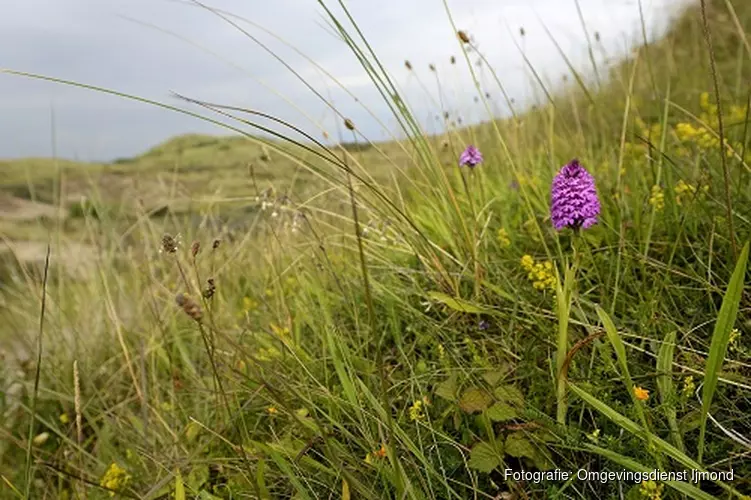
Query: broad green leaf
{"type": "Point", "coordinates": [501, 412]}
{"type": "Point", "coordinates": [493, 377]}
{"type": "Point", "coordinates": [720, 338]}
{"type": "Point", "coordinates": [518, 445]}
{"type": "Point", "coordinates": [447, 389]}
{"type": "Point", "coordinates": [457, 304]}
{"type": "Point", "coordinates": [484, 457]}
{"type": "Point", "coordinates": [509, 394]}
{"type": "Point", "coordinates": [475, 400]}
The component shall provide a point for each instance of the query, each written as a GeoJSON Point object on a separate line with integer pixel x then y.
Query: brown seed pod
{"type": "Point", "coordinates": [463, 36]}
{"type": "Point", "coordinates": [349, 124]}
{"type": "Point", "coordinates": [189, 306]}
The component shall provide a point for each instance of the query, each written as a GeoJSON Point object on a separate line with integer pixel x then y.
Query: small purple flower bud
{"type": "Point", "coordinates": [483, 324]}
{"type": "Point", "coordinates": [470, 157]}
{"type": "Point", "coordinates": [575, 203]}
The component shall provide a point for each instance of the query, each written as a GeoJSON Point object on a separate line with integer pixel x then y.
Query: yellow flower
{"type": "Point", "coordinates": [641, 393]}
{"type": "Point", "coordinates": [528, 262]}
{"type": "Point", "coordinates": [651, 490]}
{"type": "Point", "coordinates": [735, 334]}
{"type": "Point", "coordinates": [416, 411]}
{"type": "Point", "coordinates": [540, 274]}
{"type": "Point", "coordinates": [657, 199]}
{"type": "Point", "coordinates": [271, 410]}
{"type": "Point", "coordinates": [503, 238]}
{"type": "Point", "coordinates": [688, 386]}
{"type": "Point", "coordinates": [64, 418]}
{"type": "Point", "coordinates": [116, 478]}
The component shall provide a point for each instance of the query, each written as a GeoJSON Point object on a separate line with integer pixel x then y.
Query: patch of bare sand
{"type": "Point", "coordinates": [19, 209]}
{"type": "Point", "coordinates": [77, 259]}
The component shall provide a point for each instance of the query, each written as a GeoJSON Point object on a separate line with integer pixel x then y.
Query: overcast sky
{"type": "Point", "coordinates": [152, 47]}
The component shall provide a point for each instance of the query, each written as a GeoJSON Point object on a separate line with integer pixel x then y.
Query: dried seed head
{"type": "Point", "coordinates": [408, 65]}
{"type": "Point", "coordinates": [189, 306]}
{"type": "Point", "coordinates": [453, 60]}
{"type": "Point", "coordinates": [169, 243]}
{"type": "Point", "coordinates": [446, 115]}
{"type": "Point", "coordinates": [210, 289]}
{"type": "Point", "coordinates": [216, 244]}
{"type": "Point", "coordinates": [463, 36]}
{"type": "Point", "coordinates": [349, 124]}
{"type": "Point", "coordinates": [521, 31]}
{"type": "Point", "coordinates": [431, 66]}
{"type": "Point", "coordinates": [597, 36]}
{"type": "Point", "coordinates": [195, 248]}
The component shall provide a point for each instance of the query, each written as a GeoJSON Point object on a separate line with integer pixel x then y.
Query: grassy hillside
{"type": "Point", "coordinates": [374, 321]}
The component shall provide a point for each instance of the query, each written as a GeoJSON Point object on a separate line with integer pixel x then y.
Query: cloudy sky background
{"type": "Point", "coordinates": [152, 47]}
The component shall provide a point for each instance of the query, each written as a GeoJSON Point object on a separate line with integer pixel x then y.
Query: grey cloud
{"type": "Point", "coordinates": [88, 41]}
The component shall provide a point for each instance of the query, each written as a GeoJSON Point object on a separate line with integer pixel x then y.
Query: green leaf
{"type": "Point", "coordinates": [494, 376]}
{"type": "Point", "coordinates": [484, 457]}
{"type": "Point", "coordinates": [261, 480]}
{"type": "Point", "coordinates": [501, 412]}
{"type": "Point", "coordinates": [509, 394]}
{"type": "Point", "coordinates": [518, 445]}
{"type": "Point", "coordinates": [720, 340]}
{"type": "Point", "coordinates": [345, 490]}
{"type": "Point", "coordinates": [475, 399]}
{"type": "Point", "coordinates": [447, 389]}
{"type": "Point", "coordinates": [179, 487]}
{"type": "Point", "coordinates": [666, 387]}
{"type": "Point", "coordinates": [498, 291]}
{"type": "Point", "coordinates": [457, 304]}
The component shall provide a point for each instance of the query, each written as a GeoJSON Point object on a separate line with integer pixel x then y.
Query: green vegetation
{"type": "Point", "coordinates": [373, 321]}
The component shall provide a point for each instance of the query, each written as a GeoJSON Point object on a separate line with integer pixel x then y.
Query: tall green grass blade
{"type": "Point", "coordinates": [720, 339]}
{"type": "Point", "coordinates": [666, 388]}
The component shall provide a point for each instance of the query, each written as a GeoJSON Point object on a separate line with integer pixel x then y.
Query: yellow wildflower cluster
{"type": "Point", "coordinates": [682, 189]}
{"type": "Point", "coordinates": [116, 478]}
{"type": "Point", "coordinates": [539, 273]}
{"type": "Point", "coordinates": [702, 136]}
{"type": "Point", "coordinates": [657, 198]}
{"type": "Point", "coordinates": [503, 238]}
{"type": "Point", "coordinates": [417, 410]}
{"type": "Point", "coordinates": [688, 386]}
{"type": "Point", "coordinates": [376, 454]}
{"type": "Point", "coordinates": [271, 410]}
{"type": "Point", "coordinates": [699, 136]}
{"type": "Point", "coordinates": [651, 490]}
